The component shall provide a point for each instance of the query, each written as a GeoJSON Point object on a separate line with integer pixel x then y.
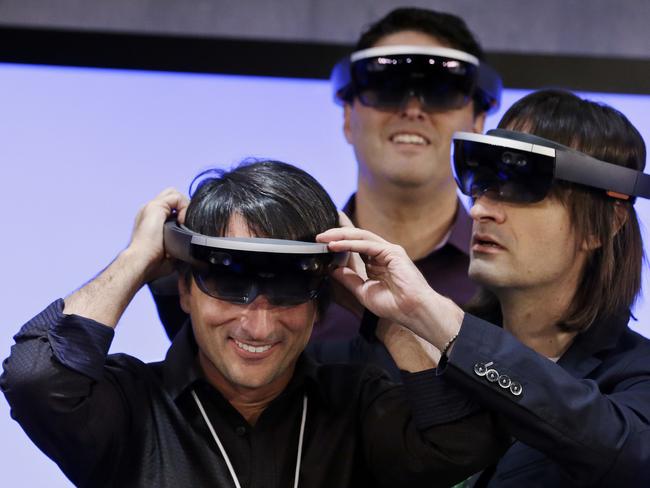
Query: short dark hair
{"type": "Point", "coordinates": [275, 199]}
{"type": "Point", "coordinates": [448, 28]}
{"type": "Point", "coordinates": [611, 279]}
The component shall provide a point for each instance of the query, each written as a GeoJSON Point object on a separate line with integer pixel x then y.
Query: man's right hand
{"type": "Point", "coordinates": [105, 297]}
{"type": "Point", "coordinates": [146, 246]}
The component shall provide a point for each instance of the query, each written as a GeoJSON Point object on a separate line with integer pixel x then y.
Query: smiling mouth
{"type": "Point", "coordinates": [254, 349]}
{"type": "Point", "coordinates": [409, 138]}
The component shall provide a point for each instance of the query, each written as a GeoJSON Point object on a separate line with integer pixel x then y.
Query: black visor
{"type": "Point", "coordinates": [520, 168]}
{"type": "Point", "coordinates": [439, 78]}
{"type": "Point", "coordinates": [240, 269]}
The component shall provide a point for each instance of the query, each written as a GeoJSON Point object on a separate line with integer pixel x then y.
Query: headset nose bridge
{"type": "Point", "coordinates": [258, 321]}
{"type": "Point", "coordinates": [413, 100]}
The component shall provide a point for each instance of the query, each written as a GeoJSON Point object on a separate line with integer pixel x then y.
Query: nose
{"type": "Point", "coordinates": [486, 208]}
{"type": "Point", "coordinates": [412, 107]}
{"type": "Point", "coordinates": [258, 318]}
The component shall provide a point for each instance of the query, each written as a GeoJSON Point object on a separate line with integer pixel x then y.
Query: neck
{"type": "Point", "coordinates": [250, 402]}
{"type": "Point", "coordinates": [535, 325]}
{"type": "Point", "coordinates": [416, 218]}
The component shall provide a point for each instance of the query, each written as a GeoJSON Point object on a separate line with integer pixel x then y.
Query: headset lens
{"type": "Point", "coordinates": [388, 82]}
{"type": "Point", "coordinates": [284, 289]}
{"type": "Point", "coordinates": [506, 174]}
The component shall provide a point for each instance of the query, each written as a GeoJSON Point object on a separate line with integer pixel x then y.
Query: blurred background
{"type": "Point", "coordinates": [105, 103]}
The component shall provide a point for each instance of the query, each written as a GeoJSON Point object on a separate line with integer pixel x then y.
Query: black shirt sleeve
{"type": "Point", "coordinates": [60, 394]}
{"type": "Point", "coordinates": [426, 433]}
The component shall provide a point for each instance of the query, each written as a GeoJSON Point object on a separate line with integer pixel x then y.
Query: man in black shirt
{"type": "Point", "coordinates": [405, 191]}
{"type": "Point", "coordinates": [236, 402]}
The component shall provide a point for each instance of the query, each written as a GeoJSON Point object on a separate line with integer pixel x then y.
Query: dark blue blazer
{"type": "Point", "coordinates": [584, 421]}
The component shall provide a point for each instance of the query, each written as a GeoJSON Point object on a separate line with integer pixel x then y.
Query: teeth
{"type": "Point", "coordinates": [249, 348]}
{"type": "Point", "coordinates": [409, 139]}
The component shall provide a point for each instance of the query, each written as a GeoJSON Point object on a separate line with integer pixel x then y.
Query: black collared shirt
{"type": "Point", "coordinates": [115, 421]}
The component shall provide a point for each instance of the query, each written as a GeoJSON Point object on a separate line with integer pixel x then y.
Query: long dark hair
{"type": "Point", "coordinates": [611, 279]}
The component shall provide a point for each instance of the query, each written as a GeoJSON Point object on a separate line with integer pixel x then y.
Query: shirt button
{"type": "Point", "coordinates": [504, 381]}
{"type": "Point", "coordinates": [240, 431]}
{"type": "Point", "coordinates": [516, 389]}
{"type": "Point", "coordinates": [492, 375]}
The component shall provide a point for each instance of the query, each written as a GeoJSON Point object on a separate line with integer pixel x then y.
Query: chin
{"type": "Point", "coordinates": [484, 274]}
{"type": "Point", "coordinates": [249, 380]}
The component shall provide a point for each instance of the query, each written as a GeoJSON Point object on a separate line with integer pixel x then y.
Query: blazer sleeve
{"type": "Point", "coordinates": [595, 438]}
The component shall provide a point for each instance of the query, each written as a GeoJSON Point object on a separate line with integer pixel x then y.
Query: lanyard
{"type": "Point", "coordinates": [223, 450]}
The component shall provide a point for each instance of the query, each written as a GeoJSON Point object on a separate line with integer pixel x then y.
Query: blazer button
{"type": "Point", "coordinates": [516, 389]}
{"type": "Point", "coordinates": [504, 381]}
{"type": "Point", "coordinates": [492, 375]}
{"type": "Point", "coordinates": [481, 368]}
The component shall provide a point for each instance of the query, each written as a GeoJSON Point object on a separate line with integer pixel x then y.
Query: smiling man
{"type": "Point", "coordinates": [236, 402]}
{"type": "Point", "coordinates": [416, 76]}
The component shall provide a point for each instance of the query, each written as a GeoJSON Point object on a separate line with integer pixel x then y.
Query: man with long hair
{"type": "Point", "coordinates": [557, 250]}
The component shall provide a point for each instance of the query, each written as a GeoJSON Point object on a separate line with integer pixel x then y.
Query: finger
{"type": "Point", "coordinates": [372, 249]}
{"type": "Point", "coordinates": [174, 201]}
{"type": "Point", "coordinates": [357, 264]}
{"type": "Point", "coordinates": [348, 233]}
{"type": "Point", "coordinates": [350, 280]}
{"type": "Point", "coordinates": [344, 220]}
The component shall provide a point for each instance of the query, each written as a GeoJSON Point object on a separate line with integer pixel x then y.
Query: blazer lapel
{"type": "Point", "coordinates": [582, 357]}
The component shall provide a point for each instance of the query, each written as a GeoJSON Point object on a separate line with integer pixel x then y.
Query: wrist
{"type": "Point", "coordinates": [437, 320]}
{"type": "Point", "coordinates": [135, 264]}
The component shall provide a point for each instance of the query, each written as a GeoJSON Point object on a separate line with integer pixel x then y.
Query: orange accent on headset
{"type": "Point", "coordinates": [620, 196]}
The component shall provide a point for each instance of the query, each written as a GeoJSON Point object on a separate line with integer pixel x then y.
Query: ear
{"type": "Point", "coordinates": [620, 217]}
{"type": "Point", "coordinates": [184, 291]}
{"type": "Point", "coordinates": [591, 243]}
{"type": "Point", "coordinates": [347, 111]}
{"type": "Point", "coordinates": [479, 122]}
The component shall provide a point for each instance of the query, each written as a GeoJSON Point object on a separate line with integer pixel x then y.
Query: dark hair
{"type": "Point", "coordinates": [448, 28]}
{"type": "Point", "coordinates": [611, 279]}
{"type": "Point", "coordinates": [275, 200]}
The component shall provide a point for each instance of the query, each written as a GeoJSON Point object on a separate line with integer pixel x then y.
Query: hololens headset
{"type": "Point", "coordinates": [239, 269]}
{"type": "Point", "coordinates": [441, 78]}
{"type": "Point", "coordinates": [520, 168]}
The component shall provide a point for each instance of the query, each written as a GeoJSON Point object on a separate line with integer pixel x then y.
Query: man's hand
{"type": "Point", "coordinates": [342, 295]}
{"type": "Point", "coordinates": [394, 289]}
{"type": "Point", "coordinates": [105, 297]}
{"type": "Point", "coordinates": [146, 244]}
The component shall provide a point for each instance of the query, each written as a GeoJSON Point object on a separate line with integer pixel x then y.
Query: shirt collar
{"type": "Point", "coordinates": [460, 235]}
{"type": "Point", "coordinates": [180, 369]}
